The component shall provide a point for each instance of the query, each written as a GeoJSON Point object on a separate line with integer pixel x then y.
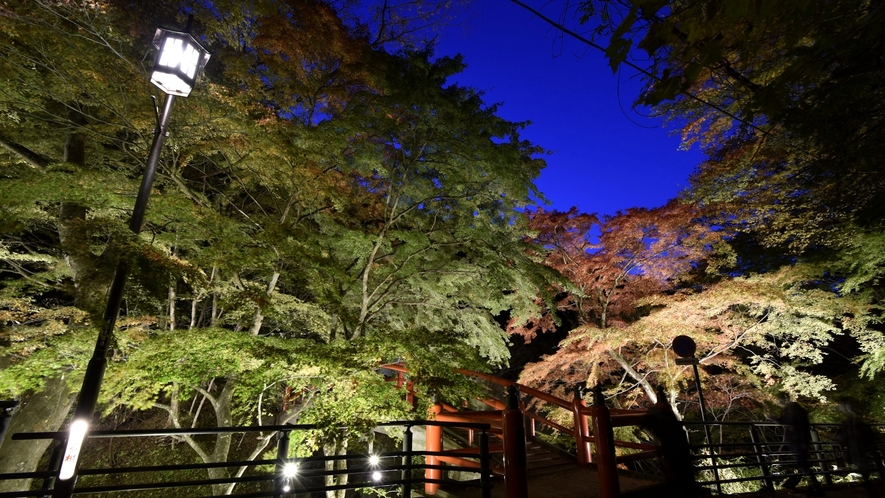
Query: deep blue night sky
{"type": "Point", "coordinates": [602, 162]}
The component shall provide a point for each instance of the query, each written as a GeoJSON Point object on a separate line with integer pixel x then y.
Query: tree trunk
{"type": "Point", "coordinates": [46, 410]}
{"type": "Point", "coordinates": [641, 379]}
{"type": "Point", "coordinates": [224, 418]}
{"type": "Point", "coordinates": [258, 318]}
{"type": "Point", "coordinates": [43, 411]}
{"type": "Point", "coordinates": [171, 307]}
{"type": "Point", "coordinates": [337, 449]}
{"type": "Point", "coordinates": [92, 274]}
{"type": "Point", "coordinates": [213, 317]}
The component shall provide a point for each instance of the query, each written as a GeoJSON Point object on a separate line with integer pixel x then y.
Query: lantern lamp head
{"type": "Point", "coordinates": [178, 63]}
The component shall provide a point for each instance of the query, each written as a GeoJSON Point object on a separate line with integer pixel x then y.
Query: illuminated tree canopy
{"type": "Point", "coordinates": [328, 202]}
{"type": "Point", "coordinates": [322, 206]}
{"type": "Point", "coordinates": [785, 99]}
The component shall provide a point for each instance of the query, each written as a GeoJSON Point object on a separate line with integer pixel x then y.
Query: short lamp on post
{"type": "Point", "coordinates": [685, 349]}
{"type": "Point", "coordinates": [178, 63]}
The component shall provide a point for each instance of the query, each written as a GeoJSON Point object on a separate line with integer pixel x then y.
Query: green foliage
{"type": "Point", "coordinates": [796, 200]}
{"type": "Point", "coordinates": [322, 206]}
{"type": "Point", "coordinates": [55, 356]}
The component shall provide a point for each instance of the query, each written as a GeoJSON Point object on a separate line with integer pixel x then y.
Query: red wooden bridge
{"type": "Point", "coordinates": [516, 423]}
{"type": "Point", "coordinates": [496, 440]}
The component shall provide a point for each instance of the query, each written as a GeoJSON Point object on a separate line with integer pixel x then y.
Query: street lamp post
{"type": "Point", "coordinates": [684, 347]}
{"type": "Point", "coordinates": [179, 61]}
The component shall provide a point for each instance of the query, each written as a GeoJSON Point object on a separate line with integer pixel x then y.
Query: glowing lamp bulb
{"type": "Point", "coordinates": [374, 460]}
{"type": "Point", "coordinates": [287, 488]}
{"type": "Point", "coordinates": [290, 469]}
{"type": "Point", "coordinates": [376, 476]}
{"type": "Point", "coordinates": [72, 452]}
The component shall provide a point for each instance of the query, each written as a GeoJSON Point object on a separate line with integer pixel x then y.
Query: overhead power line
{"type": "Point", "coordinates": [642, 70]}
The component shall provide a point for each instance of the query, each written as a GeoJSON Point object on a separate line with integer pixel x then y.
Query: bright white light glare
{"type": "Point", "coordinates": [176, 54]}
{"type": "Point", "coordinates": [287, 488]}
{"type": "Point", "coordinates": [170, 55]}
{"type": "Point", "coordinates": [75, 441]}
{"type": "Point", "coordinates": [290, 469]}
{"type": "Point", "coordinates": [376, 476]}
{"type": "Point", "coordinates": [374, 460]}
{"type": "Point", "coordinates": [177, 63]}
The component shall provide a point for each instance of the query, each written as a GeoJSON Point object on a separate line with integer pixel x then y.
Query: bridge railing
{"type": "Point", "coordinates": [589, 422]}
{"type": "Point", "coordinates": [281, 476]}
{"type": "Point", "coordinates": [755, 452]}
{"type": "Point", "coordinates": [741, 452]}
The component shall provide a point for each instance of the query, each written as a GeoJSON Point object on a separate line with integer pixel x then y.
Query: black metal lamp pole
{"type": "Point", "coordinates": [684, 347]}
{"type": "Point", "coordinates": [178, 63]}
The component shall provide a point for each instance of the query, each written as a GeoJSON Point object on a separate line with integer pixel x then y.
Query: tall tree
{"type": "Point", "coordinates": [776, 94]}
{"type": "Point", "coordinates": [315, 189]}
{"type": "Point", "coordinates": [639, 253]}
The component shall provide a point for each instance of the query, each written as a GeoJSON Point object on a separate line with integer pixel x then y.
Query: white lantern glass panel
{"type": "Point", "coordinates": [178, 62]}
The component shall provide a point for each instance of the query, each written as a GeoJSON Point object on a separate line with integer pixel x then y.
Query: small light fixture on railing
{"type": "Point", "coordinates": [77, 433]}
{"type": "Point", "coordinates": [290, 470]}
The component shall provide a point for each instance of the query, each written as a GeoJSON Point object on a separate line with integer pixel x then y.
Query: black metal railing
{"type": "Point", "coordinates": [279, 477]}
{"type": "Point", "coordinates": [748, 452]}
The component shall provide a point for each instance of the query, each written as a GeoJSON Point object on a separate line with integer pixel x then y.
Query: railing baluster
{"type": "Point", "coordinates": [820, 456]}
{"type": "Point", "coordinates": [282, 458]}
{"type": "Point", "coordinates": [434, 443]}
{"type": "Point", "coordinates": [515, 468]}
{"type": "Point", "coordinates": [485, 464]}
{"type": "Point", "coordinates": [606, 463]}
{"type": "Point", "coordinates": [54, 463]}
{"type": "Point", "coordinates": [582, 427]}
{"type": "Point", "coordinates": [764, 467]}
{"type": "Point", "coordinates": [406, 472]}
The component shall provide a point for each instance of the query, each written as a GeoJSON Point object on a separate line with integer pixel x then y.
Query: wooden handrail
{"type": "Point", "coordinates": [603, 420]}
{"type": "Point", "coordinates": [522, 388]}
{"type": "Point", "coordinates": [398, 367]}
{"type": "Point", "coordinates": [492, 416]}
{"type": "Point", "coordinates": [562, 429]}
{"type": "Point", "coordinates": [626, 419]}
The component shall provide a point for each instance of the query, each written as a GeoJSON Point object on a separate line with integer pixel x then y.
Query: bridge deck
{"type": "Point", "coordinates": [582, 483]}
{"type": "Point", "coordinates": [578, 482]}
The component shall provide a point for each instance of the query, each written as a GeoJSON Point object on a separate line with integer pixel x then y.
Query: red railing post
{"type": "Point", "coordinates": [433, 442]}
{"type": "Point", "coordinates": [582, 427]}
{"type": "Point", "coordinates": [515, 468]}
{"type": "Point", "coordinates": [606, 464]}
